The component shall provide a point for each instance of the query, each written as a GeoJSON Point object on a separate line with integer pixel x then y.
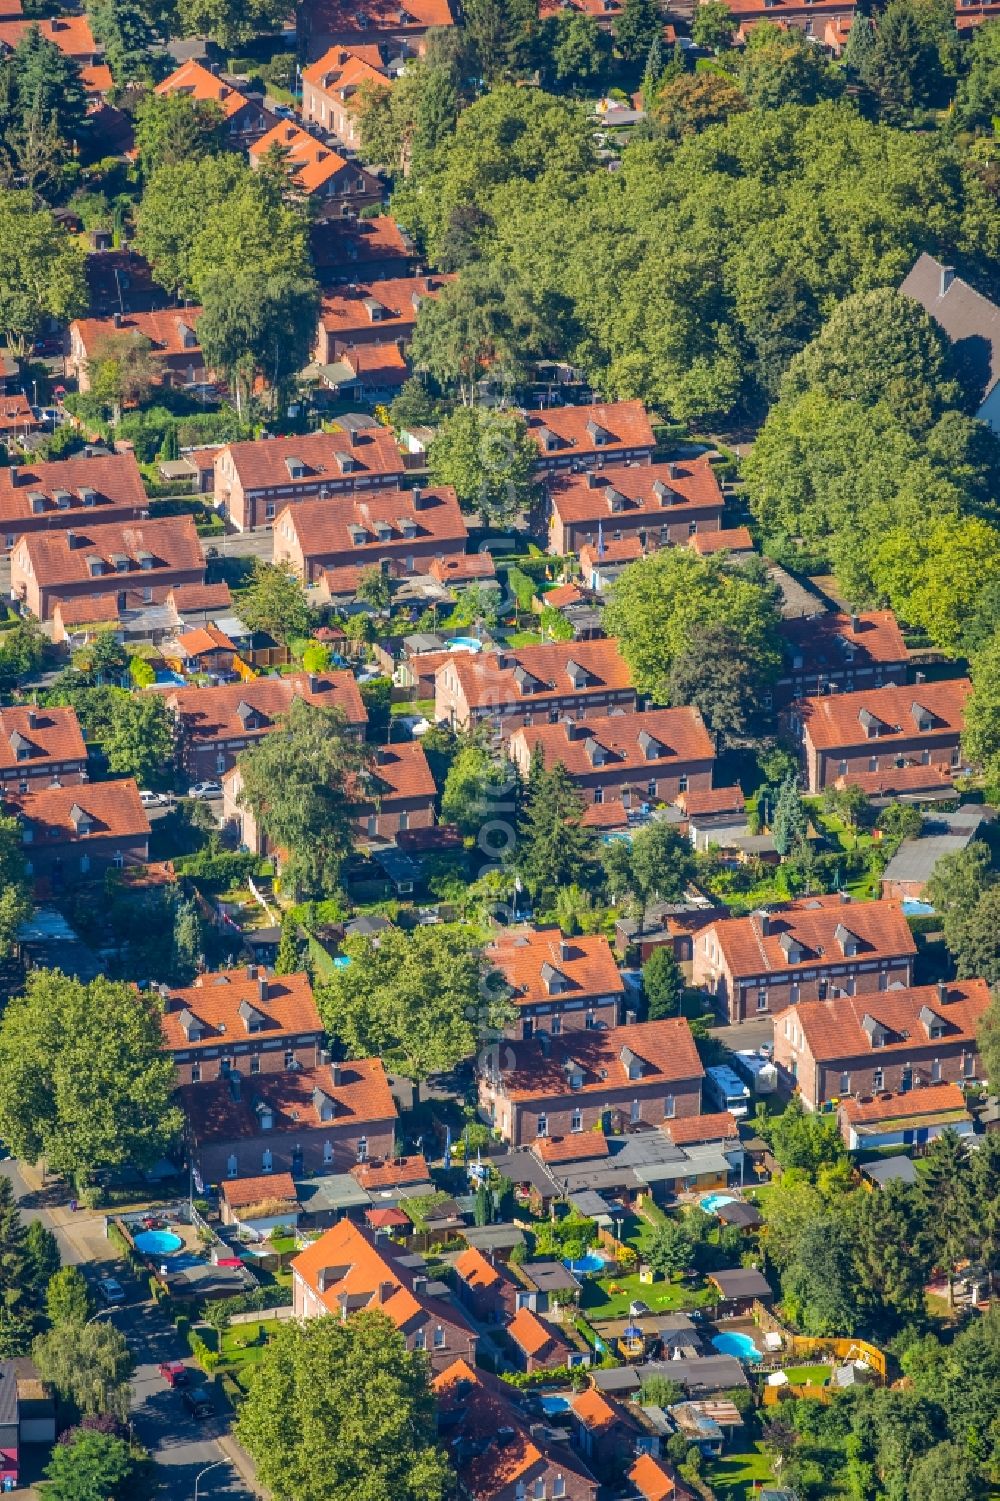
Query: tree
{"type": "Point", "coordinates": [274, 602]}
{"type": "Point", "coordinates": [485, 324]}
{"type": "Point", "coordinates": [818, 1283]}
{"type": "Point", "coordinates": [22, 650]}
{"type": "Point", "coordinates": [289, 957]}
{"type": "Point", "coordinates": [126, 36]}
{"type": "Point", "coordinates": [302, 783]}
{"type": "Point", "coordinates": [638, 25]}
{"type": "Point", "coordinates": [977, 99]}
{"type": "Point", "coordinates": [718, 674]}
{"type": "Point", "coordinates": [554, 847]}
{"type": "Point", "coordinates": [41, 271]}
{"type": "Point", "coordinates": [988, 1040]}
{"type": "Point", "coordinates": [89, 1365]}
{"type": "Point", "coordinates": [891, 1272]}
{"type": "Point", "coordinates": [188, 942]}
{"type": "Point", "coordinates": [373, 588]}
{"type": "Point", "coordinates": [801, 1140]}
{"type": "Point", "coordinates": [790, 823]}
{"type": "Point", "coordinates": [947, 1470]}
{"type": "Point", "coordinates": [905, 67]}
{"type": "Point", "coordinates": [84, 1082]}
{"type": "Point", "coordinates": [662, 862]}
{"type": "Point", "coordinates": [663, 984]}
{"type": "Point", "coordinates": [46, 82]}
{"type": "Point", "coordinates": [417, 1000]}
{"type": "Point", "coordinates": [473, 787]}
{"type": "Point", "coordinates": [68, 1298]}
{"type": "Point", "coordinates": [140, 738]}
{"type": "Point", "coordinates": [860, 49]}
{"type": "Point", "coordinates": [15, 886]}
{"type": "Point", "coordinates": [981, 736]}
{"type": "Point", "coordinates": [693, 101]}
{"type": "Point", "coordinates": [956, 885]}
{"type": "Point", "coordinates": [658, 1391]}
{"type": "Point", "coordinates": [301, 1422]}
{"type": "Point", "coordinates": [94, 1467]}
{"type": "Point", "coordinates": [172, 129]}
{"type": "Point", "coordinates": [575, 51]}
{"type": "Point", "coordinates": [229, 23]}
{"type": "Point", "coordinates": [977, 953]}
{"type": "Point", "coordinates": [945, 1195]}
{"type": "Point", "coordinates": [780, 67]}
{"type": "Point", "coordinates": [713, 25]}
{"type": "Point", "coordinates": [489, 459]}
{"type": "Point", "coordinates": [178, 200]}
{"type": "Point", "coordinates": [669, 1249]}
{"type": "Point", "coordinates": [15, 1267]}
{"type": "Point", "coordinates": [43, 1260]}
{"type": "Point", "coordinates": [258, 324]}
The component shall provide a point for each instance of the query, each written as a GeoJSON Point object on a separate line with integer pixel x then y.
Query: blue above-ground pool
{"type": "Point", "coordinates": [712, 1203]}
{"type": "Point", "coordinates": [464, 643]}
{"type": "Point", "coordinates": [342, 961]}
{"type": "Point", "coordinates": [553, 1403]}
{"type": "Point", "coordinates": [740, 1345]}
{"type": "Point", "coordinates": [589, 1263]}
{"type": "Point", "coordinates": [914, 908]}
{"type": "Point", "coordinates": [158, 1242]}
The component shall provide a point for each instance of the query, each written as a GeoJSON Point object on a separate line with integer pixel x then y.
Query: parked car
{"type": "Point", "coordinates": [174, 1372]}
{"type": "Point", "coordinates": [197, 1401]}
{"type": "Point", "coordinates": [110, 1291]}
{"type": "Point", "coordinates": [203, 790]}
{"type": "Point", "coordinates": [153, 799]}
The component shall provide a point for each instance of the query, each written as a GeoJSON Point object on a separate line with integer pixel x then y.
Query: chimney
{"type": "Point", "coordinates": [673, 471]}
{"type": "Point", "coordinates": [32, 719]}
{"type": "Point", "coordinates": [314, 684]}
{"type": "Point", "coordinates": [630, 1018]}
{"type": "Point", "coordinates": [920, 677]}
{"type": "Point", "coordinates": [262, 987]}
{"type": "Point", "coordinates": [418, 499]}
{"type": "Point", "coordinates": [855, 624]}
{"type": "Point", "coordinates": [845, 898]}
{"type": "Point", "coordinates": [947, 277]}
{"type": "Point", "coordinates": [251, 971]}
{"type": "Point", "coordinates": [355, 437]}
{"type": "Point", "coordinates": [334, 1073]}
{"type": "Point", "coordinates": [420, 1286]}
{"type": "Point", "coordinates": [119, 320]}
{"type": "Point", "coordinates": [942, 990]}
{"type": "Point", "coordinates": [14, 473]}
{"type": "Point", "coordinates": [71, 540]}
{"type": "Point", "coordinates": [563, 948]}
{"type": "Point", "coordinates": [503, 660]}
{"type": "Point", "coordinates": [385, 1291]}
{"type": "Point", "coordinates": [765, 924]}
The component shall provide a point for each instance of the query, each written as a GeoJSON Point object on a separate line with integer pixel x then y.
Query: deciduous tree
{"type": "Point", "coordinates": [274, 602]}
{"type": "Point", "coordinates": [94, 1467]}
{"type": "Point", "coordinates": [173, 130]}
{"type": "Point", "coordinates": [67, 1300]}
{"type": "Point", "coordinates": [41, 271]}
{"type": "Point", "coordinates": [89, 1365]}
{"type": "Point", "coordinates": [140, 738]}
{"type": "Point", "coordinates": [489, 459]}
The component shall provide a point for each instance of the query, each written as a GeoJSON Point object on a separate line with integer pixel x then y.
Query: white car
{"type": "Point", "coordinates": [153, 799]}
{"type": "Point", "coordinates": [205, 790]}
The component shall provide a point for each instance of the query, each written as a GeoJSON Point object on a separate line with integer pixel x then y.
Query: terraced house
{"type": "Point", "coordinates": [557, 984]}
{"type": "Point", "coordinates": [254, 481]}
{"type": "Point", "coordinates": [590, 437]}
{"type": "Point", "coordinates": [532, 685]}
{"type": "Point", "coordinates": [133, 564]}
{"type": "Point", "coordinates": [241, 1019]}
{"type": "Point", "coordinates": [656, 505]}
{"type": "Point", "coordinates": [402, 531]}
{"type": "Point", "coordinates": [40, 748]}
{"type": "Point", "coordinates": [67, 492]}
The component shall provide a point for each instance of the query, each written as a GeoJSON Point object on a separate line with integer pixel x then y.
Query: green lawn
{"type": "Point", "coordinates": [424, 706]}
{"type": "Point", "coordinates": [735, 1475]}
{"type": "Point", "coordinates": [599, 1303]}
{"type": "Point", "coordinates": [244, 1344]}
{"type": "Point", "coordinates": [801, 1375]}
{"type": "Point", "coordinates": [524, 638]}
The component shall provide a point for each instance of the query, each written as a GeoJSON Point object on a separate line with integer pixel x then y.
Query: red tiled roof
{"type": "Point", "coordinates": [461, 567]}
{"type": "Point", "coordinates": [564, 594]}
{"type": "Point", "coordinates": [611, 552]}
{"type": "Point", "coordinates": [611, 814]}
{"type": "Point", "coordinates": [530, 1334]}
{"type": "Point", "coordinates": [241, 1193]}
{"type": "Point", "coordinates": [400, 771]}
{"type": "Point", "coordinates": [812, 922]}
{"type": "Point", "coordinates": [97, 79]}
{"type": "Point", "coordinates": [340, 19]}
{"type": "Point", "coordinates": [171, 542]}
{"type": "Point", "coordinates": [113, 810]}
{"type": "Point", "coordinates": [652, 1479]}
{"type": "Point", "coordinates": [50, 734]}
{"type": "Point", "coordinates": [475, 1271]}
{"type": "Point", "coordinates": [346, 67]}
{"type": "Point", "coordinates": [832, 641]}
{"type": "Point", "coordinates": [930, 1099]}
{"type": "Point", "coordinates": [166, 330]}
{"type": "Point", "coordinates": [376, 364]}
{"type": "Point", "coordinates": [313, 165]}
{"type": "Point", "coordinates": [347, 311]}
{"type": "Point", "coordinates": [215, 1000]}
{"type": "Point", "coordinates": [399, 1172]}
{"type": "Point", "coordinates": [197, 82]}
{"type": "Point", "coordinates": [15, 412]}
{"type": "Point", "coordinates": [712, 800]}
{"type": "Point", "coordinates": [261, 465]}
{"type": "Point", "coordinates": [582, 1146]}
{"type": "Point", "coordinates": [675, 736]}
{"type": "Point", "coordinates": [686, 485]}
{"type": "Point", "coordinates": [92, 609]}
{"type": "Point", "coordinates": [896, 780]}
{"type": "Point", "coordinates": [211, 714]}
{"type": "Point", "coordinates": [332, 527]}
{"type": "Point", "coordinates": [113, 479]}
{"type": "Point", "coordinates": [585, 965]}
{"type": "Point", "coordinates": [594, 1411]}
{"type": "Point", "coordinates": [346, 244]}
{"type": "Point", "coordinates": [387, 1219]}
{"type": "Point", "coordinates": [71, 34]}
{"type": "Point", "coordinates": [691, 1129]}
{"type": "Point", "coordinates": [835, 1029]}
{"type": "Point", "coordinates": [832, 722]}
{"type": "Point", "coordinates": [484, 681]}
{"type": "Point", "coordinates": [187, 597]}
{"type": "Point", "coordinates": [665, 1050]}
{"type": "Point", "coordinates": [626, 423]}
{"type": "Point", "coordinates": [215, 1113]}
{"type": "Point", "coordinates": [730, 539]}
{"type": "Point", "coordinates": [202, 642]}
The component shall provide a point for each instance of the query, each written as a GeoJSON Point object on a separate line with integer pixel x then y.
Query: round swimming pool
{"type": "Point", "coordinates": [740, 1345]}
{"type": "Point", "coordinates": [589, 1263]}
{"type": "Point", "coordinates": [712, 1203]}
{"type": "Point", "coordinates": [157, 1242]}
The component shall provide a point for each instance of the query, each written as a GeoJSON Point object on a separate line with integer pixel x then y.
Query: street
{"type": "Point", "coordinates": [241, 545]}
{"type": "Point", "coordinates": [181, 1447]}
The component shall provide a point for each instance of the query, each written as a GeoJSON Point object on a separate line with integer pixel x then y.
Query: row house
{"type": "Point", "coordinates": [498, 1454]}
{"type": "Point", "coordinates": [170, 336]}
{"type": "Point", "coordinates": [866, 1044]}
{"type": "Point", "coordinates": [244, 117]}
{"type": "Point", "coordinates": [367, 374]}
{"type": "Point", "coordinates": [557, 984]}
{"type": "Point", "coordinates": [604, 12]}
{"type": "Point", "coordinates": [241, 1019]}
{"type": "Point", "coordinates": [588, 437]}
{"type": "Point", "coordinates": [603, 1080]}
{"type": "Point", "coordinates": [373, 312]}
{"type": "Point", "coordinates": [639, 759]}
{"type": "Point", "coordinates": [330, 88]}
{"type": "Point", "coordinates": [215, 724]}
{"type": "Point", "coordinates": [910, 1119]}
{"type": "Point", "coordinates": [532, 685]}
{"type": "Point", "coordinates": [299, 1121]}
{"type": "Point", "coordinates": [838, 653]}
{"type": "Point", "coordinates": [79, 833]}
{"type": "Point", "coordinates": [535, 1345]}
{"type": "Point", "coordinates": [400, 29]}
{"type": "Point", "coordinates": [45, 497]}
{"type": "Point", "coordinates": [40, 748]}
{"type": "Point", "coordinates": [885, 740]}
{"type": "Point", "coordinates": [353, 250]}
{"type": "Point", "coordinates": [396, 529]}
{"type": "Point", "coordinates": [485, 1287]}
{"type": "Point", "coordinates": [657, 505]}
{"type": "Point", "coordinates": [809, 16]}
{"type": "Point", "coordinates": [348, 1269]}
{"type": "Point", "coordinates": [71, 34]}
{"type": "Point", "coordinates": [138, 563]}
{"type": "Point", "coordinates": [735, 541]}
{"type": "Point", "coordinates": [256, 480]}
{"type": "Point", "coordinates": [330, 183]}
{"type": "Point", "coordinates": [813, 949]}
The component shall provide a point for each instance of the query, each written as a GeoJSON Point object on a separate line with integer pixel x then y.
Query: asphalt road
{"type": "Point", "coordinates": [241, 545]}
{"type": "Point", "coordinates": [181, 1446]}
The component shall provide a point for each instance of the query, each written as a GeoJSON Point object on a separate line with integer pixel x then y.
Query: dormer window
{"type": "Point", "coordinates": [251, 1018]}
{"type": "Point", "coordinates": [631, 1063]}
{"type": "Point", "coordinates": [21, 747]}
{"type": "Point", "coordinates": [119, 562]}
{"type": "Point", "coordinates": [791, 948]}
{"type": "Point", "coordinates": [296, 468]}
{"type": "Point", "coordinates": [577, 675]}
{"type": "Point", "coordinates": [598, 435]}
{"type": "Point", "coordinates": [358, 535]}
{"type": "Point", "coordinates": [848, 941]}
{"type": "Point", "coordinates": [81, 820]}
{"type": "Point", "coordinates": [37, 503]}
{"type": "Point", "coordinates": [265, 1115]}
{"type": "Point", "coordinates": [870, 723]}
{"type": "Point", "coordinates": [878, 1035]}
{"type": "Point", "coordinates": [649, 748]}
{"type": "Point", "coordinates": [614, 498]}
{"type": "Point", "coordinates": [248, 715]}
{"type": "Point", "coordinates": [96, 566]}
{"type": "Point", "coordinates": [63, 499]}
{"type": "Point", "coordinates": [596, 754]}
{"type": "Point", "coordinates": [922, 718]}
{"type": "Point", "coordinates": [191, 1025]}
{"type": "Point", "coordinates": [88, 497]}
{"type": "Point", "coordinates": [346, 463]}
{"type": "Point", "coordinates": [145, 560]}
{"type": "Point", "coordinates": [933, 1024]}
{"type": "Point", "coordinates": [548, 439]}
{"type": "Point", "coordinates": [383, 531]}
{"type": "Point", "coordinates": [553, 979]}
{"type": "Point", "coordinates": [374, 309]}
{"type": "Point", "coordinates": [408, 526]}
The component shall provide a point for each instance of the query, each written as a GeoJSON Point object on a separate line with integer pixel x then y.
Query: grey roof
{"type": "Point", "coordinates": [712, 1373]}
{"type": "Point", "coordinates": [742, 1282]}
{"type": "Point", "coordinates": [8, 1393]}
{"type": "Point", "coordinates": [891, 1170]}
{"type": "Point", "coordinates": [493, 1237]}
{"type": "Point", "coordinates": [746, 1216]}
{"type": "Point", "coordinates": [366, 925]}
{"type": "Point", "coordinates": [549, 1276]}
{"type": "Point", "coordinates": [331, 1191]}
{"type": "Point", "coordinates": [942, 834]}
{"type": "Point", "coordinates": [971, 321]}
{"type": "Point", "coordinates": [590, 1203]}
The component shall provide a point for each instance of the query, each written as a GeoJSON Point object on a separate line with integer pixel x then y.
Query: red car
{"type": "Point", "coordinates": [173, 1372]}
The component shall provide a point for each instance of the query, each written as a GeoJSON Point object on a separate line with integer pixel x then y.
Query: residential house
{"type": "Point", "coordinates": [885, 740]}
{"type": "Point", "coordinates": [245, 117]}
{"type": "Point", "coordinates": [27, 1416]}
{"type": "Point", "coordinates": [603, 562]}
{"type": "Point", "coordinates": [39, 748]}
{"type": "Point", "coordinates": [838, 653]}
{"type": "Point", "coordinates": [484, 1286]}
{"type": "Point", "coordinates": [216, 723]}
{"type": "Point", "coordinates": [970, 321]}
{"type": "Point", "coordinates": [866, 1044]}
{"type": "Point", "coordinates": [604, 12]}
{"type": "Point", "coordinates": [557, 984]}
{"type": "Point", "coordinates": [400, 29]}
{"type": "Point", "coordinates": [809, 16]}
{"type": "Point", "coordinates": [79, 620]}
{"type": "Point", "coordinates": [256, 480]}
{"type": "Point", "coordinates": [673, 923]}
{"type": "Point", "coordinates": [499, 1456]}
{"type": "Point", "coordinates": [170, 335]}
{"type": "Point", "coordinates": [537, 1346]}
{"type": "Point", "coordinates": [255, 1206]}
{"type": "Point", "coordinates": [373, 312]}
{"type": "Point", "coordinates": [639, 758]}
{"type": "Point", "coordinates": [813, 949]}
{"type": "Point", "coordinates": [350, 250]}
{"type": "Point", "coordinates": [200, 602]}
{"type": "Point", "coordinates": [941, 834]}
{"type": "Point", "coordinates": [70, 33]}
{"type": "Point", "coordinates": [532, 684]}
{"type": "Point", "coordinates": [79, 833]}
{"type": "Point", "coordinates": [735, 541]}
{"type": "Point", "coordinates": [47, 496]}
{"type": "Point", "coordinates": [602, 1431]}
{"type": "Point", "coordinates": [653, 1479]}
{"type": "Point", "coordinates": [910, 1119]}
{"type": "Point", "coordinates": [607, 1079]}
{"type": "Point", "coordinates": [389, 1179]}
{"type": "Point", "coordinates": [119, 280]}
{"type": "Point", "coordinates": [657, 505]}
{"type": "Point", "coordinates": [579, 438]}
{"type": "Point", "coordinates": [714, 816]}
{"type": "Point", "coordinates": [331, 184]}
{"type": "Point", "coordinates": [241, 1019]}
{"type": "Point", "coordinates": [301, 1121]}
{"type": "Point", "coordinates": [17, 420]}
{"type": "Point", "coordinates": [202, 649]}
{"type": "Point", "coordinates": [138, 563]}
{"type": "Point", "coordinates": [367, 373]}
{"type": "Point", "coordinates": [330, 87]}
{"type": "Point", "coordinates": [348, 1269]}
{"type": "Point", "coordinates": [400, 530]}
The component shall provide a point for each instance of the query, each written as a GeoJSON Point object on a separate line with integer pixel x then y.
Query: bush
{"type": "Point", "coordinates": [209, 1360]}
